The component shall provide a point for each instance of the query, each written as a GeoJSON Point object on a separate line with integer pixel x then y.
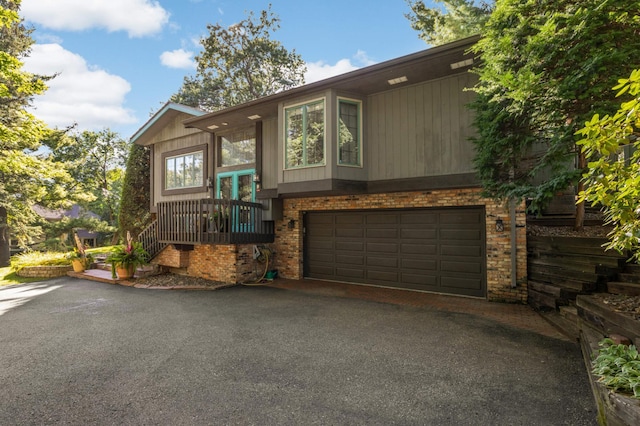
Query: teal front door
{"type": "Point", "coordinates": [238, 185]}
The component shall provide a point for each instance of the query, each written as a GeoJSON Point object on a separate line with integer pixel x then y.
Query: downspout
{"type": "Point", "coordinates": [514, 243]}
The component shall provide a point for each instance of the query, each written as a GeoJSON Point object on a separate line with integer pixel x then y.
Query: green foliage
{"type": "Point", "coordinates": [613, 176]}
{"type": "Point", "coordinates": [618, 367]}
{"type": "Point", "coordinates": [241, 63]}
{"type": "Point", "coordinates": [37, 258]}
{"type": "Point", "coordinates": [459, 19]}
{"type": "Point", "coordinates": [545, 69]}
{"type": "Point", "coordinates": [96, 162]}
{"type": "Point", "coordinates": [26, 178]}
{"type": "Point", "coordinates": [134, 213]}
{"type": "Point", "coordinates": [129, 255]}
{"type": "Point", "coordinates": [9, 277]}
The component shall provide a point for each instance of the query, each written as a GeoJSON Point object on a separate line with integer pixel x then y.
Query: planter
{"type": "Point", "coordinates": [78, 265]}
{"type": "Point", "coordinates": [125, 272]}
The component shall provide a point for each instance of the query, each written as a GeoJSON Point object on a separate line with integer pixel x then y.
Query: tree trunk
{"type": "Point", "coordinates": [5, 249]}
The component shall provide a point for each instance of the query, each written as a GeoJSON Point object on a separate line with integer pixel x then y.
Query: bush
{"type": "Point", "coordinates": [618, 367]}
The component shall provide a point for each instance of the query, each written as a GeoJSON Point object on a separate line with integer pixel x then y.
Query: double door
{"type": "Point", "coordinates": [238, 185]}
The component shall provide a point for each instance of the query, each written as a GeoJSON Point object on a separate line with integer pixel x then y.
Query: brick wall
{"type": "Point", "coordinates": [288, 243]}
{"type": "Point", "coordinates": [224, 263]}
{"type": "Point", "coordinates": [44, 271]}
{"type": "Point", "coordinates": [172, 258]}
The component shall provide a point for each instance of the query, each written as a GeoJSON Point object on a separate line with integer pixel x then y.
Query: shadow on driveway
{"type": "Point", "coordinates": [92, 353]}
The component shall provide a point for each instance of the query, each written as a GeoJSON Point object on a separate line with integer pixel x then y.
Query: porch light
{"type": "Point", "coordinates": [499, 225]}
{"type": "Point", "coordinates": [397, 80]}
{"type": "Point", "coordinates": [256, 178]}
{"type": "Point", "coordinates": [213, 127]}
{"type": "Point", "coordinates": [254, 117]}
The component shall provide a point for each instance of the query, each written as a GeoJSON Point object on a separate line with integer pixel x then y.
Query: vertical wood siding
{"type": "Point", "coordinates": [420, 130]}
{"type": "Point", "coordinates": [270, 154]}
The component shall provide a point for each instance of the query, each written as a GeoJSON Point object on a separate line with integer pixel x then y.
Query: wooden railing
{"type": "Point", "coordinates": [209, 221]}
{"type": "Point", "coordinates": [149, 240]}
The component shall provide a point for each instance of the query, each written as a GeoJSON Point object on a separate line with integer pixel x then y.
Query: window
{"type": "Point", "coordinates": [304, 135]}
{"type": "Point", "coordinates": [349, 132]}
{"type": "Point", "coordinates": [185, 169]}
{"type": "Point", "coordinates": [238, 148]}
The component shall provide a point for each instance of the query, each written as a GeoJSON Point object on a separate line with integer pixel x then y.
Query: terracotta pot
{"type": "Point", "coordinates": [78, 265]}
{"type": "Point", "coordinates": [125, 272]}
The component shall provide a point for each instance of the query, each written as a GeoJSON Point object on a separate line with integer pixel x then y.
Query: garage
{"type": "Point", "coordinates": [437, 250]}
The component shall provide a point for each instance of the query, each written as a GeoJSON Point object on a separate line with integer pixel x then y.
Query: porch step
{"type": "Point", "coordinates": [577, 281]}
{"type": "Point", "coordinates": [627, 277]}
{"type": "Point", "coordinates": [626, 288]}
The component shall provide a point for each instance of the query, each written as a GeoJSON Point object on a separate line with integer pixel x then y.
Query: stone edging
{"type": "Point", "coordinates": [44, 271]}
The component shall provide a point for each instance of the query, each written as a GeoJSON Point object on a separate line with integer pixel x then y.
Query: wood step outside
{"type": "Point", "coordinates": [629, 289]}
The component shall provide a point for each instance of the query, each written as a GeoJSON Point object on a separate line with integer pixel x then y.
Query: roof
{"type": "Point", "coordinates": [160, 119]}
{"type": "Point", "coordinates": [74, 213]}
{"type": "Point", "coordinates": [429, 64]}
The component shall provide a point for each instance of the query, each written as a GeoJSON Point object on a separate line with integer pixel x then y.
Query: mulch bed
{"type": "Point", "coordinates": [175, 280]}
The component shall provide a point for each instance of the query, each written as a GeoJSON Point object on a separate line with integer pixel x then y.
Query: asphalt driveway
{"type": "Point", "coordinates": [81, 352]}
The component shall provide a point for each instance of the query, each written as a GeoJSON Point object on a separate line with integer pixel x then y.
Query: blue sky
{"type": "Point", "coordinates": [120, 60]}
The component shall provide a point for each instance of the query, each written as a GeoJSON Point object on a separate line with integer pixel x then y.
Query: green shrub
{"type": "Point", "coordinates": [618, 367]}
{"type": "Point", "coordinates": [37, 258]}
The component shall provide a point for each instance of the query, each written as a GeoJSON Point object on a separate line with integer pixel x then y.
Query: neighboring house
{"type": "Point", "coordinates": [366, 177]}
{"type": "Point", "coordinates": [75, 212]}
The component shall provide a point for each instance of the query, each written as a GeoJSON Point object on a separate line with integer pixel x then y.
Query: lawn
{"type": "Point", "coordinates": [9, 277]}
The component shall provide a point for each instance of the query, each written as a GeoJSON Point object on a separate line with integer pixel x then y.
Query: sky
{"type": "Point", "coordinates": [118, 61]}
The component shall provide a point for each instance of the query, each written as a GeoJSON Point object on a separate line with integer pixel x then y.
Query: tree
{"type": "Point", "coordinates": [241, 63]}
{"type": "Point", "coordinates": [25, 177]}
{"type": "Point", "coordinates": [612, 179]}
{"type": "Point", "coordinates": [96, 161]}
{"type": "Point", "coordinates": [134, 208]}
{"type": "Point", "coordinates": [459, 19]}
{"type": "Point", "coordinates": [545, 68]}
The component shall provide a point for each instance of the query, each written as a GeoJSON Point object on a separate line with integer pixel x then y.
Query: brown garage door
{"type": "Point", "coordinates": [440, 250]}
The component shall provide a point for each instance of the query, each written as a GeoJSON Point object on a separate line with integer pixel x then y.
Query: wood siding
{"type": "Point", "coordinates": [160, 148]}
{"type": "Point", "coordinates": [420, 130]}
{"type": "Point", "coordinates": [174, 130]}
{"type": "Point", "coordinates": [270, 154]}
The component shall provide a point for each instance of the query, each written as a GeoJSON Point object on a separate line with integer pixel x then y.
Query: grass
{"type": "Point", "coordinates": [9, 277]}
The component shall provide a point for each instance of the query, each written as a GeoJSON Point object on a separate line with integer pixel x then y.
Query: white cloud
{"type": "Point", "coordinates": [137, 17]}
{"type": "Point", "coordinates": [320, 70]}
{"type": "Point", "coordinates": [80, 93]}
{"type": "Point", "coordinates": [178, 58]}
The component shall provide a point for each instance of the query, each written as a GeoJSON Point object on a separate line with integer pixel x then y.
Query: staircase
{"type": "Point", "coordinates": [561, 268]}
{"type": "Point", "coordinates": [627, 281]}
{"type": "Point", "coordinates": [149, 240]}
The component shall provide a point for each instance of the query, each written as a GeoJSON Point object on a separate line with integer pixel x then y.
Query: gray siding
{"type": "Point", "coordinates": [270, 154]}
{"type": "Point", "coordinates": [174, 130]}
{"type": "Point", "coordinates": [420, 130]}
{"type": "Point", "coordinates": [160, 148]}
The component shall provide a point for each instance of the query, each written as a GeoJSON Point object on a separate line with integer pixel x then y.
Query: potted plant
{"type": "Point", "coordinates": [80, 260]}
{"type": "Point", "coordinates": [126, 258]}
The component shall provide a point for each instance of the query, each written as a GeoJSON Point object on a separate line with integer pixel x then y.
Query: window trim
{"type": "Point", "coordinates": [324, 139]}
{"type": "Point", "coordinates": [182, 152]}
{"type": "Point", "coordinates": [359, 104]}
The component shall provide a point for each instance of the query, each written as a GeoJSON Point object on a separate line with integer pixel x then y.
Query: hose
{"type": "Point", "coordinates": [264, 257]}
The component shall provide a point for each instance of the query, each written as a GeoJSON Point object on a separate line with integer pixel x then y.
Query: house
{"type": "Point", "coordinates": [366, 177]}
{"type": "Point", "coordinates": [75, 212]}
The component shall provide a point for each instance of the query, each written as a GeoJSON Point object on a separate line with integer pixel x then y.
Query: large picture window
{"type": "Point", "coordinates": [304, 135]}
{"type": "Point", "coordinates": [238, 148]}
{"type": "Point", "coordinates": [184, 170]}
{"type": "Point", "coordinates": [349, 133]}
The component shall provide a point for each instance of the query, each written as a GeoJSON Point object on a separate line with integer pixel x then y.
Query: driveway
{"type": "Point", "coordinates": [81, 352]}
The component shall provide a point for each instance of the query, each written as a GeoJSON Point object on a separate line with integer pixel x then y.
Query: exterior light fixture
{"type": "Point", "coordinates": [256, 178]}
{"type": "Point", "coordinates": [224, 123]}
{"type": "Point", "coordinates": [461, 64]}
{"type": "Point", "coordinates": [397, 80]}
{"type": "Point", "coordinates": [213, 127]}
{"type": "Point", "coordinates": [499, 225]}
{"type": "Point", "coordinates": [291, 224]}
{"type": "Point", "coordinates": [254, 117]}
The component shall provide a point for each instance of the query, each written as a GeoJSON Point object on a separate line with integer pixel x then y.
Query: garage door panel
{"type": "Point", "coordinates": [383, 277]}
{"type": "Point", "coordinates": [349, 260]}
{"type": "Point", "coordinates": [424, 249]}
{"type": "Point", "coordinates": [461, 234]}
{"type": "Point", "coordinates": [349, 232]}
{"type": "Point", "coordinates": [382, 247]}
{"type": "Point", "coordinates": [461, 250]}
{"type": "Point", "coordinates": [350, 245]}
{"type": "Point", "coordinates": [439, 250]}
{"type": "Point", "coordinates": [420, 279]}
{"type": "Point", "coordinates": [350, 273]}
{"type": "Point", "coordinates": [466, 267]}
{"type": "Point", "coordinates": [420, 264]}
{"type": "Point", "coordinates": [382, 233]}
{"type": "Point", "coordinates": [382, 262]}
